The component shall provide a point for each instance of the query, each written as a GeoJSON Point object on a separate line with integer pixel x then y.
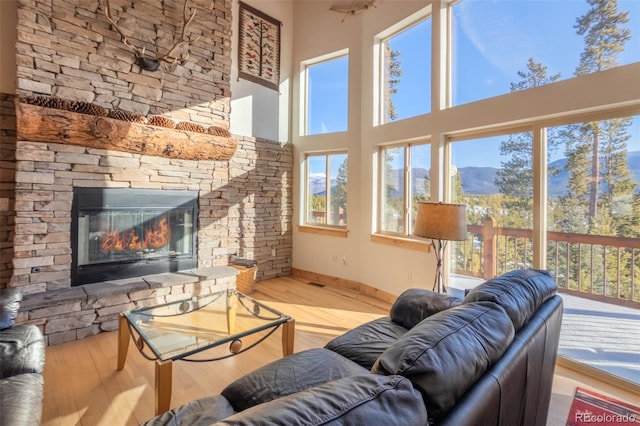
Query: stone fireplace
{"type": "Point", "coordinates": [122, 233]}
{"type": "Point", "coordinates": [242, 197]}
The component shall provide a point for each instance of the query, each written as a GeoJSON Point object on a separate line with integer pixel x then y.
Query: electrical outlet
{"type": "Point", "coordinates": [273, 252]}
{"type": "Point", "coordinates": [409, 277]}
{"type": "Point", "coordinates": [335, 258]}
{"type": "Point", "coordinates": [344, 260]}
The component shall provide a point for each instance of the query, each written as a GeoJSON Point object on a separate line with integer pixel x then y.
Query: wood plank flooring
{"type": "Point", "coordinates": [82, 386]}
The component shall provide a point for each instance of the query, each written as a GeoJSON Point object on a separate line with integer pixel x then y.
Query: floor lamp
{"type": "Point", "coordinates": [440, 222]}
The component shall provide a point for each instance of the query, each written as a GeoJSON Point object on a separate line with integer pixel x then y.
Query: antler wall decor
{"type": "Point", "coordinates": [153, 63]}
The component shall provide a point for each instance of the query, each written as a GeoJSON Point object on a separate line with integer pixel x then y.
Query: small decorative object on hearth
{"type": "Point", "coordinates": [441, 223]}
{"type": "Point", "coordinates": [246, 279]}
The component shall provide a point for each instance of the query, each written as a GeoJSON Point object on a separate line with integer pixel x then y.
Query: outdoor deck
{"type": "Point", "coordinates": [597, 334]}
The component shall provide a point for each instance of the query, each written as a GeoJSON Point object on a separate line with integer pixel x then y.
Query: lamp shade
{"type": "Point", "coordinates": [441, 221]}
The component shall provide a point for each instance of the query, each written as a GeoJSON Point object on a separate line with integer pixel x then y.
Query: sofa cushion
{"type": "Point", "coordinates": [21, 400]}
{"type": "Point", "coordinates": [365, 343]}
{"type": "Point", "coordinates": [288, 375]}
{"type": "Point", "coordinates": [368, 399]}
{"type": "Point", "coordinates": [9, 304]}
{"type": "Point", "coordinates": [416, 304]}
{"type": "Point", "coordinates": [22, 350]}
{"type": "Point", "coordinates": [447, 352]}
{"type": "Point", "coordinates": [199, 412]}
{"type": "Point", "coordinates": [519, 292]}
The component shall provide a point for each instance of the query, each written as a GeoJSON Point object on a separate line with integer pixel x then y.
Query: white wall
{"type": "Point", "coordinates": [257, 110]}
{"type": "Point", "coordinates": [319, 31]}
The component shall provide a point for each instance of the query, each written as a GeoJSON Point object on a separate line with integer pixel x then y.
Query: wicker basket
{"type": "Point", "coordinates": [246, 279]}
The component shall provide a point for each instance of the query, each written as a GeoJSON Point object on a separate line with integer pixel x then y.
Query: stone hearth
{"type": "Point", "coordinates": [82, 311]}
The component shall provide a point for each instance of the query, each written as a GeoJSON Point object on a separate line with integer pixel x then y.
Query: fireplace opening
{"type": "Point", "coordinates": [121, 233]}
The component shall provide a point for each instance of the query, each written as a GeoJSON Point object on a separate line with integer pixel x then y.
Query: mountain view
{"type": "Point", "coordinates": [481, 180]}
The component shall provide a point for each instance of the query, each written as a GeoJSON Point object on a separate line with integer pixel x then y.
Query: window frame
{"type": "Point", "coordinates": [304, 220]}
{"type": "Point", "coordinates": [378, 66]}
{"type": "Point", "coordinates": [304, 92]}
{"type": "Point", "coordinates": [406, 191]}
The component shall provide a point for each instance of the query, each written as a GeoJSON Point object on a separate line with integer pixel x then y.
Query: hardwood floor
{"type": "Point", "coordinates": [82, 386]}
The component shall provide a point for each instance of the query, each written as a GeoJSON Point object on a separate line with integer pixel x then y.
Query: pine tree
{"type": "Point", "coordinates": [515, 177]}
{"type": "Point", "coordinates": [339, 196]}
{"type": "Point", "coordinates": [392, 73]}
{"type": "Point", "coordinates": [604, 40]}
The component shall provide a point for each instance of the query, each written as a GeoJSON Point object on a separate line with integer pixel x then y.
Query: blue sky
{"type": "Point", "coordinates": [493, 40]}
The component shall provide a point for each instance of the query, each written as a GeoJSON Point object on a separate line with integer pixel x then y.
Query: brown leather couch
{"type": "Point", "coordinates": [485, 360]}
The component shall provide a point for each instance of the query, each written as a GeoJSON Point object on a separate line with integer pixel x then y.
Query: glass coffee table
{"type": "Point", "coordinates": [182, 329]}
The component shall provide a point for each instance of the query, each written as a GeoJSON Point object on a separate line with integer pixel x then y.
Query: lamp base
{"type": "Point", "coordinates": [438, 283]}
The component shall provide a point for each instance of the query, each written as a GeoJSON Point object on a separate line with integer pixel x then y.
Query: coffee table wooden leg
{"type": "Point", "coordinates": [232, 309]}
{"type": "Point", "coordinates": [123, 341]}
{"type": "Point", "coordinates": [164, 378]}
{"type": "Point", "coordinates": [288, 333]}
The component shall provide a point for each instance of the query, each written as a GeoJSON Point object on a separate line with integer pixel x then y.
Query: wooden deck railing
{"type": "Point", "coordinates": [605, 268]}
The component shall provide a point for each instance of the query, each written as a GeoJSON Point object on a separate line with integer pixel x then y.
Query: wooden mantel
{"type": "Point", "coordinates": [40, 124]}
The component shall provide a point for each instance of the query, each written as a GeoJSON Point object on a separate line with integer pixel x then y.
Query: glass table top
{"type": "Point", "coordinates": [179, 329]}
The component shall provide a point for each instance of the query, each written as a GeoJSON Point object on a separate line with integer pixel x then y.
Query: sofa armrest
{"type": "Point", "coordinates": [368, 399]}
{"type": "Point", "coordinates": [22, 350]}
{"type": "Point", "coordinates": [21, 399]}
{"type": "Point", "coordinates": [10, 299]}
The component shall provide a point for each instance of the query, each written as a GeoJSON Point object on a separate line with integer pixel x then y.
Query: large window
{"type": "Point", "coordinates": [326, 189]}
{"type": "Point", "coordinates": [493, 177]}
{"type": "Point", "coordinates": [492, 45]}
{"type": "Point", "coordinates": [404, 182]}
{"type": "Point", "coordinates": [594, 196]}
{"type": "Point", "coordinates": [405, 69]}
{"type": "Point", "coordinates": [326, 94]}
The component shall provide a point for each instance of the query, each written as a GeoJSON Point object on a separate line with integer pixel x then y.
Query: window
{"type": "Point", "coordinates": [493, 177]}
{"type": "Point", "coordinates": [405, 69]}
{"type": "Point", "coordinates": [491, 46]}
{"type": "Point", "coordinates": [326, 185]}
{"type": "Point", "coordinates": [404, 182]}
{"type": "Point", "coordinates": [326, 94]}
{"type": "Point", "coordinates": [593, 200]}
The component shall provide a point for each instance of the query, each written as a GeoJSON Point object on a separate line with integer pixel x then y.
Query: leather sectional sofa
{"type": "Point", "coordinates": [487, 359]}
{"type": "Point", "coordinates": [22, 355]}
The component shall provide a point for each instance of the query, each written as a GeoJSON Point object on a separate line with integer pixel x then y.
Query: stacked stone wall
{"type": "Point", "coordinates": [46, 175]}
{"type": "Point", "coordinates": [261, 205]}
{"type": "Point", "coordinates": [7, 185]}
{"type": "Point", "coordinates": [69, 49]}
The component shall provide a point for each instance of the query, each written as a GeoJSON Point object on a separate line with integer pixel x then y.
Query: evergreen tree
{"type": "Point", "coordinates": [604, 40]}
{"type": "Point", "coordinates": [392, 73]}
{"type": "Point", "coordinates": [515, 177]}
{"type": "Point", "coordinates": [339, 196]}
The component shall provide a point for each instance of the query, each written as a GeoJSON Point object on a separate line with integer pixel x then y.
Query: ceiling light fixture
{"type": "Point", "coordinates": [353, 7]}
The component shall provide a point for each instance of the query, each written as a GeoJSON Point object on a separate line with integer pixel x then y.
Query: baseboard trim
{"type": "Point", "coordinates": [344, 283]}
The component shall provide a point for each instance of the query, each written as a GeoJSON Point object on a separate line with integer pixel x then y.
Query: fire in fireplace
{"type": "Point", "coordinates": [120, 233]}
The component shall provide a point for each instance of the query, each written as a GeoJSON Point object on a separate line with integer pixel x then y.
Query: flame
{"type": "Point", "coordinates": [155, 236]}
